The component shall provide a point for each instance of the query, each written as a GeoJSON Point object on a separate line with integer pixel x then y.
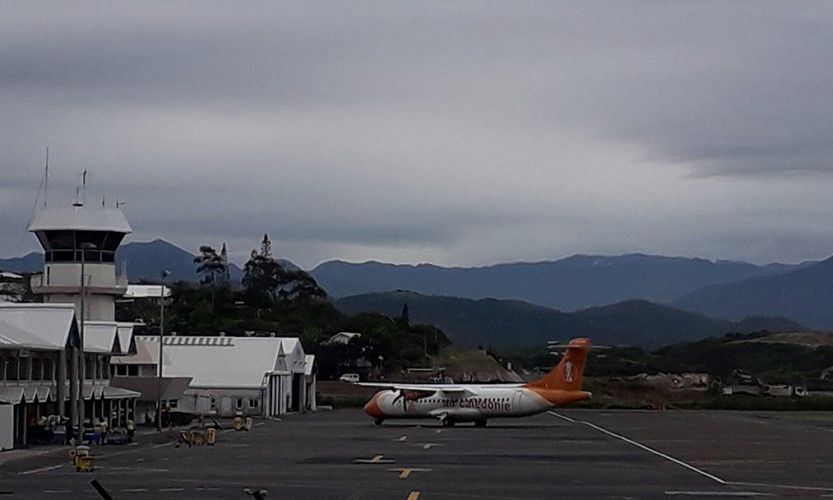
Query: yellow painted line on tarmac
{"type": "Point", "coordinates": [405, 473]}
{"type": "Point", "coordinates": [414, 495]}
{"type": "Point", "coordinates": [378, 459]}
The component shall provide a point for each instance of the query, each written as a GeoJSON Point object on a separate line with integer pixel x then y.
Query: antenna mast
{"type": "Point", "coordinates": [84, 187]}
{"type": "Point", "coordinates": [46, 178]}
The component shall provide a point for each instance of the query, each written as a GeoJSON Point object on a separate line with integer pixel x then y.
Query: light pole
{"type": "Point", "coordinates": [82, 362]}
{"type": "Point", "coordinates": [165, 274]}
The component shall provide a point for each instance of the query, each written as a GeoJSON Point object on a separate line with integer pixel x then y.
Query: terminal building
{"type": "Point", "coordinates": [39, 343]}
{"type": "Point", "coordinates": [260, 376]}
{"type": "Point", "coordinates": [41, 369]}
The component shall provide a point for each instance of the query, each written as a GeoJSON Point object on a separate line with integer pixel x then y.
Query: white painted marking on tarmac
{"type": "Point", "coordinates": [564, 417]}
{"type": "Point", "coordinates": [718, 494]}
{"type": "Point", "coordinates": [162, 445]}
{"type": "Point", "coordinates": [783, 486]}
{"type": "Point", "coordinates": [657, 453]}
{"type": "Point", "coordinates": [56, 491]}
{"type": "Point", "coordinates": [42, 469]}
{"type": "Point", "coordinates": [134, 490]}
{"type": "Point", "coordinates": [171, 489]}
{"type": "Point", "coordinates": [258, 424]}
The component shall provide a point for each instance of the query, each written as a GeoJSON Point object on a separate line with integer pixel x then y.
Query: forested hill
{"type": "Point", "coordinates": [516, 323]}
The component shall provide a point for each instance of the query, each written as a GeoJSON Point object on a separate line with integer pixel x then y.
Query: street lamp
{"type": "Point", "coordinates": [165, 274]}
{"type": "Point", "coordinates": [82, 362]}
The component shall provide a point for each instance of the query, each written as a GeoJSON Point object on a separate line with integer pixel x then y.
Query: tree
{"type": "Point", "coordinates": [404, 316]}
{"type": "Point", "coordinates": [213, 267]}
{"type": "Point", "coordinates": [210, 265]}
{"type": "Point", "coordinates": [268, 282]}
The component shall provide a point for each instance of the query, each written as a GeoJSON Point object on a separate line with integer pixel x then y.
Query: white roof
{"type": "Point", "coordinates": [81, 219]}
{"type": "Point", "coordinates": [146, 291]}
{"type": "Point", "coordinates": [36, 326]}
{"type": "Point", "coordinates": [309, 362]}
{"type": "Point", "coordinates": [100, 336]}
{"type": "Point", "coordinates": [147, 353]}
{"type": "Point", "coordinates": [239, 362]}
{"type": "Point", "coordinates": [343, 337]}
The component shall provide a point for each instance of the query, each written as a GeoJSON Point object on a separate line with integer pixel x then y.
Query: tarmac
{"type": "Point", "coordinates": [562, 454]}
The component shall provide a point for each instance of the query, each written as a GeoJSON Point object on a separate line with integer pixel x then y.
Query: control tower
{"type": "Point", "coordinates": [76, 237]}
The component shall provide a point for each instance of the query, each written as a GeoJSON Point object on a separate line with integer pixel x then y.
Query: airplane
{"type": "Point", "coordinates": [453, 403]}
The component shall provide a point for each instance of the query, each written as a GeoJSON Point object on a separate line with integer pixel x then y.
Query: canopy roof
{"type": "Point", "coordinates": [37, 326]}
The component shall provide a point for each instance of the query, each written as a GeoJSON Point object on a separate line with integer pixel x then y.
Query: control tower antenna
{"type": "Point", "coordinates": [77, 190]}
{"type": "Point", "coordinates": [46, 178]}
{"type": "Point", "coordinates": [84, 187]}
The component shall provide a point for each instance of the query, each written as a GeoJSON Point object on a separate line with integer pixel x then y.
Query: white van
{"type": "Point", "coordinates": [350, 377]}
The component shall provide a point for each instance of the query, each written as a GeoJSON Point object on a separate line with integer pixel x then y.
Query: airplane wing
{"type": "Point", "coordinates": [448, 389]}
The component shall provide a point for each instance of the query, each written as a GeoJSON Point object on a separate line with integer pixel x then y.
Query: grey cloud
{"type": "Point", "coordinates": [462, 133]}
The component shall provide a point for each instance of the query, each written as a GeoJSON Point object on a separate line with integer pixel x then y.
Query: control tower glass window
{"type": "Point", "coordinates": [67, 245]}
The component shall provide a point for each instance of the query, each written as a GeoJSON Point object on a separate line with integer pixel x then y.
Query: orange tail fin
{"type": "Point", "coordinates": [567, 374]}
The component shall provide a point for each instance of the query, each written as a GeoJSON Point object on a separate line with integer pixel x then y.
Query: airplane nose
{"type": "Point", "coordinates": [372, 407]}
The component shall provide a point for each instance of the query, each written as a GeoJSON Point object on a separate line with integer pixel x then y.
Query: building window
{"type": "Point", "coordinates": [11, 368]}
{"type": "Point", "coordinates": [48, 369]}
{"type": "Point", "coordinates": [36, 369]}
{"type": "Point", "coordinates": [133, 370]}
{"type": "Point", "coordinates": [254, 403]}
{"type": "Point", "coordinates": [89, 367]}
{"type": "Point", "coordinates": [239, 403]}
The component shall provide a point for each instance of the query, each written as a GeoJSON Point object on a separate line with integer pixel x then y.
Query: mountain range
{"type": "Point", "coordinates": [572, 283]}
{"type": "Point", "coordinates": [724, 290]}
{"type": "Point", "coordinates": [511, 322]}
{"type": "Point", "coordinates": [805, 295]}
{"type": "Point", "coordinates": [142, 261]}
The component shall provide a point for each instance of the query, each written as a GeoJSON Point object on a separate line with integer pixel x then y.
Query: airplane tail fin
{"type": "Point", "coordinates": [568, 373]}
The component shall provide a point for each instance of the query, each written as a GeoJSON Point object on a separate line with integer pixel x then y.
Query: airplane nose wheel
{"type": "Point", "coordinates": [378, 421]}
{"type": "Point", "coordinates": [447, 422]}
{"type": "Point", "coordinates": [480, 423]}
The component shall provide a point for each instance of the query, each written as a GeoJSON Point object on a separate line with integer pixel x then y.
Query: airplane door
{"type": "Point", "coordinates": [517, 399]}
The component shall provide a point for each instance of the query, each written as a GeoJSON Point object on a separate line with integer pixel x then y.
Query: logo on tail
{"type": "Point", "coordinates": [569, 371]}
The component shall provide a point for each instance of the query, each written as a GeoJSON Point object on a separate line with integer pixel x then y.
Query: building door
{"type": "Point", "coordinates": [297, 384]}
{"type": "Point", "coordinates": [225, 407]}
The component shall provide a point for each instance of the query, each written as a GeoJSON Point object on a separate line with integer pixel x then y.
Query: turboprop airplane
{"type": "Point", "coordinates": [455, 403]}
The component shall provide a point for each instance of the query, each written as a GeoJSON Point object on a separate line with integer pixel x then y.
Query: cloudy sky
{"type": "Point", "coordinates": [453, 133]}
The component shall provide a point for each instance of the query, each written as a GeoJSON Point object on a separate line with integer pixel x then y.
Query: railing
{"type": "Point", "coordinates": [38, 284]}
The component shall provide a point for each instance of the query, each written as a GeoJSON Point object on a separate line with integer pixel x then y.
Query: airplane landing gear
{"type": "Point", "coordinates": [480, 423]}
{"type": "Point", "coordinates": [378, 421]}
{"type": "Point", "coordinates": [447, 422]}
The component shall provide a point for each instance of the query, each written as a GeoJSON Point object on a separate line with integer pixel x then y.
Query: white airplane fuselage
{"type": "Point", "coordinates": [486, 402]}
{"type": "Point", "coordinates": [477, 402]}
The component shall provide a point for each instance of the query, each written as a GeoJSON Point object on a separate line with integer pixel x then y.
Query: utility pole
{"type": "Point", "coordinates": [165, 274]}
{"type": "Point", "coordinates": [82, 363]}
